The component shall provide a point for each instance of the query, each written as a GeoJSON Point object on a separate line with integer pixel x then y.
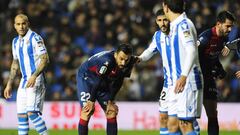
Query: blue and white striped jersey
{"type": "Point", "coordinates": [184, 51]}
{"type": "Point", "coordinates": [160, 42]}
{"type": "Point", "coordinates": [27, 50]}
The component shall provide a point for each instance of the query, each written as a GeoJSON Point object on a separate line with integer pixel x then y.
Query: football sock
{"type": "Point", "coordinates": [82, 127]}
{"type": "Point", "coordinates": [23, 126]}
{"type": "Point", "coordinates": [38, 123]}
{"type": "Point", "coordinates": [213, 127]}
{"type": "Point", "coordinates": [112, 126]}
{"type": "Point", "coordinates": [163, 131]}
{"type": "Point", "coordinates": [174, 133]}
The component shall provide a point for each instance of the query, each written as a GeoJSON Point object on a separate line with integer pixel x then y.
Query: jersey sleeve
{"type": "Point", "coordinates": [151, 50]}
{"type": "Point", "coordinates": [39, 45]}
{"type": "Point", "coordinates": [14, 49]}
{"type": "Point", "coordinates": [188, 38]}
{"type": "Point", "coordinates": [187, 34]}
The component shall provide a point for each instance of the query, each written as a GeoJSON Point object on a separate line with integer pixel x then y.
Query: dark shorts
{"type": "Point", "coordinates": [84, 86]}
{"type": "Point", "coordinates": [210, 90]}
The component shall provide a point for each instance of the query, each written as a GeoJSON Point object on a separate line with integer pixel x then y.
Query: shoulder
{"type": "Point", "coordinates": [186, 24]}
{"type": "Point", "coordinates": [15, 39]}
{"type": "Point", "coordinates": [36, 37]}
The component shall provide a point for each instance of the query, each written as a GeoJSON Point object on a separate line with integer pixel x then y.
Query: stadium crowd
{"type": "Point", "coordinates": [73, 30]}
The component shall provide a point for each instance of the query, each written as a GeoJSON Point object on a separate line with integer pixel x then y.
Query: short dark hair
{"type": "Point", "coordinates": [159, 12]}
{"type": "Point", "coordinates": [126, 48]}
{"type": "Point", "coordinates": [176, 6]}
{"type": "Point", "coordinates": [223, 15]}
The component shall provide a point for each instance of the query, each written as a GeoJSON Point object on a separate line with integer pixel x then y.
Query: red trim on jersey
{"type": "Point", "coordinates": [94, 69]}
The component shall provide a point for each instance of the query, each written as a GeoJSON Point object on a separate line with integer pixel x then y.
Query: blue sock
{"type": "Point", "coordinates": [112, 126]}
{"type": "Point", "coordinates": [23, 126]}
{"type": "Point", "coordinates": [163, 131]}
{"type": "Point", "coordinates": [191, 133]}
{"type": "Point", "coordinates": [196, 127]}
{"type": "Point", "coordinates": [175, 133]}
{"type": "Point", "coordinates": [38, 123]}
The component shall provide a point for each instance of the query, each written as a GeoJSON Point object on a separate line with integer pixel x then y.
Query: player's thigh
{"type": "Point", "coordinates": [163, 100]}
{"type": "Point", "coordinates": [190, 102]}
{"type": "Point", "coordinates": [103, 98]}
{"type": "Point", "coordinates": [83, 90]}
{"type": "Point", "coordinates": [21, 101]}
{"type": "Point", "coordinates": [210, 89]}
{"type": "Point", "coordinates": [35, 97]}
{"type": "Point", "coordinates": [172, 101]}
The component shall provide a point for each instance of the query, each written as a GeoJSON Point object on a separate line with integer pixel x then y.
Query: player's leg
{"type": "Point", "coordinates": [35, 99]}
{"type": "Point", "coordinates": [172, 124]}
{"type": "Point", "coordinates": [23, 125]}
{"type": "Point", "coordinates": [111, 111]}
{"type": "Point", "coordinates": [163, 112]}
{"type": "Point", "coordinates": [211, 111]}
{"type": "Point", "coordinates": [210, 105]}
{"type": "Point", "coordinates": [87, 107]}
{"type": "Point", "coordinates": [189, 107]}
{"type": "Point", "coordinates": [163, 119]}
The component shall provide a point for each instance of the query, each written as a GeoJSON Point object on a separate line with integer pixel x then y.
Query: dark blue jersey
{"type": "Point", "coordinates": [233, 40]}
{"type": "Point", "coordinates": [103, 73]}
{"type": "Point", "coordinates": [210, 46]}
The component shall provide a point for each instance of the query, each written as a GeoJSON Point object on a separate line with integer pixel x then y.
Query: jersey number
{"type": "Point", "coordinates": [163, 95]}
{"type": "Point", "coordinates": [84, 96]}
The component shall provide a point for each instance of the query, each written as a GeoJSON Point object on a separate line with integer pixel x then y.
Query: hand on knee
{"type": "Point", "coordinates": [112, 110]}
{"type": "Point", "coordinates": [87, 110]}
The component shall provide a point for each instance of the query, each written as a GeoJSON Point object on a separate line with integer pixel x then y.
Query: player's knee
{"type": "Point", "coordinates": [172, 124]}
{"type": "Point", "coordinates": [163, 120]}
{"type": "Point", "coordinates": [186, 125]}
{"type": "Point", "coordinates": [111, 113]}
{"type": "Point", "coordinates": [86, 113]}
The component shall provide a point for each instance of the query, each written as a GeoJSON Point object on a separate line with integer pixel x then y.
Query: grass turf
{"type": "Point", "coordinates": [102, 132]}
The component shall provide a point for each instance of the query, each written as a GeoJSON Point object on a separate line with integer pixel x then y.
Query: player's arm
{"type": "Point", "coordinates": [13, 73]}
{"type": "Point", "coordinates": [44, 59]}
{"type": "Point", "coordinates": [150, 51]}
{"type": "Point", "coordinates": [188, 38]}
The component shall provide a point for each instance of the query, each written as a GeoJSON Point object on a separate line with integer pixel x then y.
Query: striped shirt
{"type": "Point", "coordinates": [27, 50]}
{"type": "Point", "coordinates": [160, 42]}
{"type": "Point", "coordinates": [184, 51]}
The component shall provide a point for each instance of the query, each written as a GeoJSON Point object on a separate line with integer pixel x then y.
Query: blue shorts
{"type": "Point", "coordinates": [84, 88]}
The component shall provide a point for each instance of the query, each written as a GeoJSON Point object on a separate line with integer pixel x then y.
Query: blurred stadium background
{"type": "Point", "coordinates": [73, 30]}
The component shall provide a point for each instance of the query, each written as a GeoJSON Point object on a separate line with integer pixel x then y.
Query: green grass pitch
{"type": "Point", "coordinates": [102, 132]}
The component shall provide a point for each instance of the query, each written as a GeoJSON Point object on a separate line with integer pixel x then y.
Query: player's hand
{"type": "Point", "coordinates": [225, 51]}
{"type": "Point", "coordinates": [180, 84]}
{"type": "Point", "coordinates": [111, 106]}
{"type": "Point", "coordinates": [89, 106]}
{"type": "Point", "coordinates": [31, 81]}
{"type": "Point", "coordinates": [237, 74]}
{"type": "Point", "coordinates": [8, 92]}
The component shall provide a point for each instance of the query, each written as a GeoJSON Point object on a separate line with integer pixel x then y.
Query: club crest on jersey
{"type": "Point", "coordinates": [103, 70]}
{"type": "Point", "coordinates": [186, 33]}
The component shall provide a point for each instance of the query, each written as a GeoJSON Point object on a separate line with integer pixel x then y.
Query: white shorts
{"type": "Point", "coordinates": [186, 105]}
{"type": "Point", "coordinates": [31, 99]}
{"type": "Point", "coordinates": [163, 101]}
